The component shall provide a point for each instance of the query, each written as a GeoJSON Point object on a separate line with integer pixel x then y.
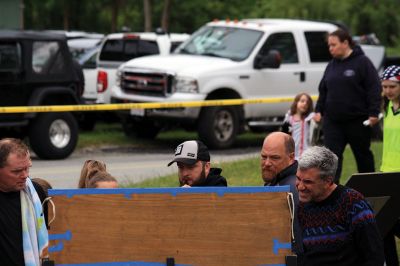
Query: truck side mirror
{"type": "Point", "coordinates": [271, 60]}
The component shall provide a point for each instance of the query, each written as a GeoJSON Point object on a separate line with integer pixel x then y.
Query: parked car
{"type": "Point", "coordinates": [253, 58]}
{"type": "Point", "coordinates": [118, 48]}
{"type": "Point", "coordinates": [85, 50]}
{"type": "Point", "coordinates": [36, 68]}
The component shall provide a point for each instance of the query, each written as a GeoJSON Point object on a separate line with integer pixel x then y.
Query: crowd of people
{"type": "Point", "coordinates": [333, 224]}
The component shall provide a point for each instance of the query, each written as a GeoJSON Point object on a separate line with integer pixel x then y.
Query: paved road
{"type": "Point", "coordinates": [127, 165]}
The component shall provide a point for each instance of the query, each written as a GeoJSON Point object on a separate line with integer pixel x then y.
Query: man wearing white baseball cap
{"type": "Point", "coordinates": [194, 168]}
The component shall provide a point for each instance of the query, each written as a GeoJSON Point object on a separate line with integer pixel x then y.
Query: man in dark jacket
{"type": "Point", "coordinates": [278, 168]}
{"type": "Point", "coordinates": [194, 168]}
{"type": "Point", "coordinates": [349, 94]}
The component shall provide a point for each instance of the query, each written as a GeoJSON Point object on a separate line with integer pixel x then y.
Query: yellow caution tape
{"type": "Point", "coordinates": [151, 105]}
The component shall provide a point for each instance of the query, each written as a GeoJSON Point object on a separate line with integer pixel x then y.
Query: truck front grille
{"type": "Point", "coordinates": [148, 84]}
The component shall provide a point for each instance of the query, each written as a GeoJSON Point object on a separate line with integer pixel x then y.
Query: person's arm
{"type": "Point", "coordinates": [320, 105]}
{"type": "Point", "coordinates": [367, 236]}
{"type": "Point", "coordinates": [373, 88]}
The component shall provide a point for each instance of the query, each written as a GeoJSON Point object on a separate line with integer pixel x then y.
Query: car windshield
{"type": "Point", "coordinates": [226, 42]}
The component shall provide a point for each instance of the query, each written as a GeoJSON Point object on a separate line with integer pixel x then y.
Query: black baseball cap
{"type": "Point", "coordinates": [191, 151]}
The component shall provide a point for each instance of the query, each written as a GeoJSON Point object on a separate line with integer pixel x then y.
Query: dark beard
{"type": "Point", "coordinates": [198, 182]}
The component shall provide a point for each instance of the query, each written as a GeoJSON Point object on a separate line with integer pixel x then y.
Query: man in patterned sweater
{"type": "Point", "coordinates": [338, 225]}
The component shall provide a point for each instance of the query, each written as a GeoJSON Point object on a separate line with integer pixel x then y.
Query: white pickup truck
{"type": "Point", "coordinates": [246, 59]}
{"type": "Point", "coordinates": [118, 48]}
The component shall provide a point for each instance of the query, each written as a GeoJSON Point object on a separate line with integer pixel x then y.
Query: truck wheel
{"type": "Point", "coordinates": [53, 135]}
{"type": "Point", "coordinates": [140, 129]}
{"type": "Point", "coordinates": [218, 126]}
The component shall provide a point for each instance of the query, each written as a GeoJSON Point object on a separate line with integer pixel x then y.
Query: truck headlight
{"type": "Point", "coordinates": [186, 84]}
{"type": "Point", "coordinates": [118, 78]}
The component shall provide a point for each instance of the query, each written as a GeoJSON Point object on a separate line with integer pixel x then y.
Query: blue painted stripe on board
{"type": "Point", "coordinates": [278, 245]}
{"type": "Point", "coordinates": [65, 236]}
{"type": "Point", "coordinates": [127, 263]}
{"type": "Point", "coordinates": [127, 192]}
{"type": "Point", "coordinates": [59, 246]}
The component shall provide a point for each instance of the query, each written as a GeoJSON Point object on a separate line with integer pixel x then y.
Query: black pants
{"type": "Point", "coordinates": [338, 134]}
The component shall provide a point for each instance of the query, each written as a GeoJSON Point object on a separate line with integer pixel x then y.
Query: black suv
{"type": "Point", "coordinates": [36, 68]}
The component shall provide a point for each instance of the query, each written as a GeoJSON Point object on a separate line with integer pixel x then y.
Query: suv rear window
{"type": "Point", "coordinates": [10, 56]}
{"type": "Point", "coordinates": [124, 50]}
{"type": "Point", "coordinates": [47, 58]}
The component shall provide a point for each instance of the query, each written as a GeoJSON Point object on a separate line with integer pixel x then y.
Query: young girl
{"type": "Point", "coordinates": [391, 123]}
{"type": "Point", "coordinates": [297, 122]}
{"type": "Point", "coordinates": [102, 180]}
{"type": "Point", "coordinates": [89, 169]}
{"type": "Point", "coordinates": [391, 146]}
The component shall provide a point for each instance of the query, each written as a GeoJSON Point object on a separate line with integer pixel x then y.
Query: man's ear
{"type": "Point", "coordinates": [291, 157]}
{"type": "Point", "coordinates": [330, 180]}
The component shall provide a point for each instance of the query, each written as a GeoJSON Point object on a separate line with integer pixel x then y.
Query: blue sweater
{"type": "Point", "coordinates": [340, 230]}
{"type": "Point", "coordinates": [350, 88]}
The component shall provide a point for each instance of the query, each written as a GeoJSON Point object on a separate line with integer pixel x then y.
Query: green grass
{"type": "Point", "coordinates": [112, 134]}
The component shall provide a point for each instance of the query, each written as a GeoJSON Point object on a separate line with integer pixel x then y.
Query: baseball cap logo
{"type": "Point", "coordinates": [178, 149]}
{"type": "Point", "coordinates": [191, 154]}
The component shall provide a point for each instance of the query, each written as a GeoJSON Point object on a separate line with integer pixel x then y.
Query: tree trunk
{"type": "Point", "coordinates": [147, 15]}
{"type": "Point", "coordinates": [114, 15]}
{"type": "Point", "coordinates": [165, 15]}
{"type": "Point", "coordinates": [66, 15]}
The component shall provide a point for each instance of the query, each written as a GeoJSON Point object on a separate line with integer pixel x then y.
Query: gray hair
{"type": "Point", "coordinates": [321, 158]}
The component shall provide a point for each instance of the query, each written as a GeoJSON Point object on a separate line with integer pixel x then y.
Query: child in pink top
{"type": "Point", "coordinates": [297, 122]}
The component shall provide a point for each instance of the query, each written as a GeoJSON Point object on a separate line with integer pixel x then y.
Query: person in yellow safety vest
{"type": "Point", "coordinates": [391, 145]}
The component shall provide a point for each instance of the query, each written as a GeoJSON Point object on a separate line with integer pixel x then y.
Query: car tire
{"type": "Point", "coordinates": [53, 135]}
{"type": "Point", "coordinates": [218, 127]}
{"type": "Point", "coordinates": [140, 129]}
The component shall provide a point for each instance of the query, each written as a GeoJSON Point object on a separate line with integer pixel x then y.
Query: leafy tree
{"type": "Point", "coordinates": [362, 16]}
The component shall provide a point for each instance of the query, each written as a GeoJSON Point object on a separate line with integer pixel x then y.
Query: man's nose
{"type": "Point", "coordinates": [24, 173]}
{"type": "Point", "coordinates": [299, 185]}
{"type": "Point", "coordinates": [184, 172]}
{"type": "Point", "coordinates": [266, 161]}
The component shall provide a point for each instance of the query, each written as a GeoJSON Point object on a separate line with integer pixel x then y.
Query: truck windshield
{"type": "Point", "coordinates": [232, 43]}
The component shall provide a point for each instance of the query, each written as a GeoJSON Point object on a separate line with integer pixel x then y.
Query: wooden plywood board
{"type": "Point", "coordinates": [196, 226]}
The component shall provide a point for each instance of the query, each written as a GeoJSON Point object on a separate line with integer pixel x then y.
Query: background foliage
{"type": "Point", "coordinates": [361, 16]}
